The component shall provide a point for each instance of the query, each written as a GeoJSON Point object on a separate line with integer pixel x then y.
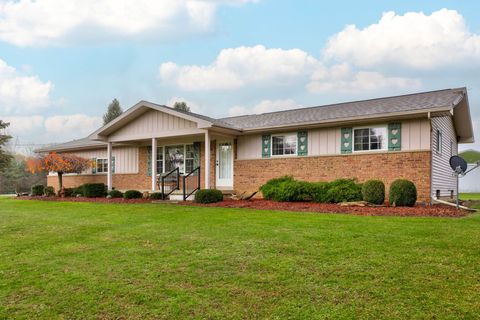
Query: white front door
{"type": "Point", "coordinates": [224, 164]}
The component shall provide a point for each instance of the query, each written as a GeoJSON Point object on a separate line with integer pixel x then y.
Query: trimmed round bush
{"type": "Point", "coordinates": [270, 189]}
{"type": "Point", "coordinates": [77, 191]}
{"type": "Point", "coordinates": [37, 190]}
{"type": "Point", "coordinates": [94, 190]}
{"type": "Point", "coordinates": [208, 196]}
{"type": "Point", "coordinates": [156, 196]}
{"type": "Point", "coordinates": [132, 194]}
{"type": "Point", "coordinates": [49, 191]}
{"type": "Point", "coordinates": [373, 191]}
{"type": "Point", "coordinates": [343, 190]}
{"type": "Point", "coordinates": [402, 193]}
{"type": "Point", "coordinates": [115, 194]}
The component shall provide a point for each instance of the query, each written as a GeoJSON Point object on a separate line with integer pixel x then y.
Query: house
{"type": "Point", "coordinates": [409, 136]}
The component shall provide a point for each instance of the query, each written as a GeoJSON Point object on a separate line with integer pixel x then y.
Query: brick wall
{"type": "Point", "coordinates": [415, 166]}
{"type": "Point", "coordinates": [140, 180]}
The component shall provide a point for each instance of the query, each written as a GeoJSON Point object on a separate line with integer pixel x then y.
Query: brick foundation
{"type": "Point", "coordinates": [415, 166]}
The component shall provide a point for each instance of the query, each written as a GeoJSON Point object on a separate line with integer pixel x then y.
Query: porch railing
{"type": "Point", "coordinates": [197, 187]}
{"type": "Point", "coordinates": [173, 180]}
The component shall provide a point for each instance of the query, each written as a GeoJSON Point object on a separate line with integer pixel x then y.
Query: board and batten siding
{"type": "Point", "coordinates": [442, 175]}
{"type": "Point", "coordinates": [326, 141]}
{"type": "Point", "coordinates": [153, 123]}
{"type": "Point", "coordinates": [126, 158]}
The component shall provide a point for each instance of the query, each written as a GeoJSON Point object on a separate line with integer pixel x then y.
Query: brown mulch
{"type": "Point", "coordinates": [436, 210]}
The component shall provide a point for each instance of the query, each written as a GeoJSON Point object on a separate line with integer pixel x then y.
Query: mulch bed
{"type": "Point", "coordinates": [436, 210]}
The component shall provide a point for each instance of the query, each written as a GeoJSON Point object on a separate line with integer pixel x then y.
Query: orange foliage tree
{"type": "Point", "coordinates": [59, 163]}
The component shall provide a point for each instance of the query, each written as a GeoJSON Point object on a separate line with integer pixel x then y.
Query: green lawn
{"type": "Point", "coordinates": [104, 261]}
{"type": "Point", "coordinates": [470, 196]}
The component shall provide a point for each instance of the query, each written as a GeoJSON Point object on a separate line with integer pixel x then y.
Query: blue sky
{"type": "Point", "coordinates": [224, 57]}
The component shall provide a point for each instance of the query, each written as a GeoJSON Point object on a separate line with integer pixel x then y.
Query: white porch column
{"type": "Point", "coordinates": [109, 166]}
{"type": "Point", "coordinates": [207, 160]}
{"type": "Point", "coordinates": [154, 164]}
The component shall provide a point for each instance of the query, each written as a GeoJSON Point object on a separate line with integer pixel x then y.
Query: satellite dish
{"type": "Point", "coordinates": [458, 164]}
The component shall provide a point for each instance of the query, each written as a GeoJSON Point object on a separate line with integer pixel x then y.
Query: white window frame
{"type": "Point", "coordinates": [284, 135]}
{"type": "Point", "coordinates": [385, 148]}
{"type": "Point", "coordinates": [438, 146]}
{"type": "Point", "coordinates": [96, 165]}
{"type": "Point", "coordinates": [164, 147]}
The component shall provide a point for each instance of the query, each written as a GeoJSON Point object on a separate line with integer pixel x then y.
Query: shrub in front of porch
{"type": "Point", "coordinates": [208, 196]}
{"type": "Point", "coordinates": [156, 196]}
{"type": "Point", "coordinates": [402, 193]}
{"type": "Point", "coordinates": [49, 191]}
{"type": "Point", "coordinates": [115, 194]}
{"type": "Point", "coordinates": [94, 190]}
{"type": "Point", "coordinates": [373, 191]}
{"type": "Point", "coordinates": [132, 194]}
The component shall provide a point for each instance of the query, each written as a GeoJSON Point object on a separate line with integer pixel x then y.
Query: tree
{"type": "Point", "coordinates": [17, 179]}
{"type": "Point", "coordinates": [59, 163]}
{"type": "Point", "coordinates": [5, 157]}
{"type": "Point", "coordinates": [182, 106]}
{"type": "Point", "coordinates": [113, 111]}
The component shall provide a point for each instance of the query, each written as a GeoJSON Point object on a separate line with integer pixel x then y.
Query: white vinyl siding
{"type": "Point", "coordinates": [126, 158]}
{"type": "Point", "coordinates": [326, 141]}
{"type": "Point", "coordinates": [442, 177]}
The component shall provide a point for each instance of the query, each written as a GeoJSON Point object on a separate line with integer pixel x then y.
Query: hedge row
{"type": "Point", "coordinates": [402, 192]}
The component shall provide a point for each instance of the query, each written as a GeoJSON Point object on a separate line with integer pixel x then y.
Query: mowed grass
{"type": "Point", "coordinates": [86, 260]}
{"type": "Point", "coordinates": [470, 196]}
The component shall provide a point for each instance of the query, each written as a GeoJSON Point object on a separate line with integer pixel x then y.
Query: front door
{"type": "Point", "coordinates": [224, 163]}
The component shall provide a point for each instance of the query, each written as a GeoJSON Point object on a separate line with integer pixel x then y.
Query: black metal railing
{"type": "Point", "coordinates": [185, 195]}
{"type": "Point", "coordinates": [173, 180]}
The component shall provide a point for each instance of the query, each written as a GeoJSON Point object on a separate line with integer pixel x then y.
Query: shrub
{"type": "Point", "coordinates": [208, 196]}
{"type": "Point", "coordinates": [402, 193]}
{"type": "Point", "coordinates": [320, 191]}
{"type": "Point", "coordinates": [156, 196]}
{"type": "Point", "coordinates": [115, 194]}
{"type": "Point", "coordinates": [49, 191]}
{"type": "Point", "coordinates": [132, 194]}
{"type": "Point", "coordinates": [270, 188]}
{"type": "Point", "coordinates": [293, 190]}
{"type": "Point", "coordinates": [77, 191]}
{"type": "Point", "coordinates": [343, 190]}
{"type": "Point", "coordinates": [94, 190]}
{"type": "Point", "coordinates": [37, 190]}
{"type": "Point", "coordinates": [373, 191]}
{"type": "Point", "coordinates": [68, 192]}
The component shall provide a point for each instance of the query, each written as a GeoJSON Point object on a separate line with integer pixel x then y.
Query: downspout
{"type": "Point", "coordinates": [452, 204]}
{"type": "Point", "coordinates": [431, 157]}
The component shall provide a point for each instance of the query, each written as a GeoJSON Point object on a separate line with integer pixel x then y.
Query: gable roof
{"type": "Point", "coordinates": [410, 104]}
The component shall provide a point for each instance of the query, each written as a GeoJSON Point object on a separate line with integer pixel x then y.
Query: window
{"type": "Point", "coordinates": [374, 138]}
{"type": "Point", "coordinates": [174, 158]}
{"type": "Point", "coordinates": [284, 145]}
{"type": "Point", "coordinates": [189, 158]}
{"type": "Point", "coordinates": [159, 160]}
{"type": "Point", "coordinates": [439, 141]}
{"type": "Point", "coordinates": [102, 165]}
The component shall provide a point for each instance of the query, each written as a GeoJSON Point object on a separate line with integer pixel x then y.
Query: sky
{"type": "Point", "coordinates": [63, 61]}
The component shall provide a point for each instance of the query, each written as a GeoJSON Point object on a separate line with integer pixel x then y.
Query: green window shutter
{"type": "Point", "coordinates": [394, 136]}
{"type": "Point", "coordinates": [266, 146]}
{"type": "Point", "coordinates": [302, 137]}
{"type": "Point", "coordinates": [113, 164]}
{"type": "Point", "coordinates": [94, 165]}
{"type": "Point", "coordinates": [346, 140]}
{"type": "Point", "coordinates": [149, 161]}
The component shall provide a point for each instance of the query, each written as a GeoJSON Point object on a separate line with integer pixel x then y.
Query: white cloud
{"type": "Point", "coordinates": [22, 93]}
{"type": "Point", "coordinates": [414, 40]}
{"type": "Point", "coordinates": [238, 67]}
{"type": "Point", "coordinates": [79, 124]}
{"type": "Point", "coordinates": [341, 79]}
{"type": "Point", "coordinates": [46, 22]}
{"type": "Point", "coordinates": [264, 106]}
{"type": "Point", "coordinates": [24, 124]}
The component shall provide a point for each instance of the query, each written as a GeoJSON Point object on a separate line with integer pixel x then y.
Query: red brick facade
{"type": "Point", "coordinates": [388, 166]}
{"type": "Point", "coordinates": [249, 175]}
